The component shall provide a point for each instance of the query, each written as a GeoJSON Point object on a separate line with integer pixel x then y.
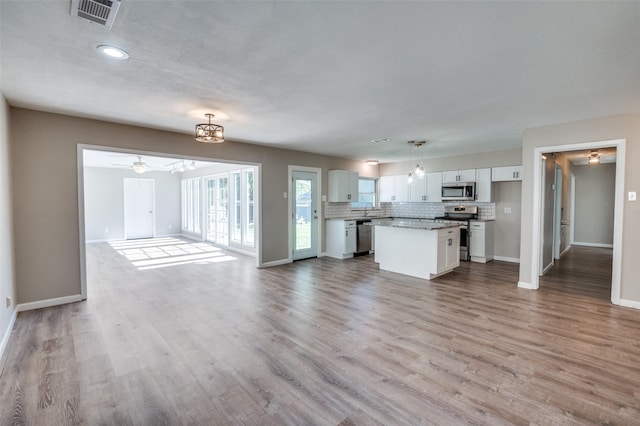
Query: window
{"type": "Point", "coordinates": [366, 194]}
{"type": "Point", "coordinates": [191, 205]}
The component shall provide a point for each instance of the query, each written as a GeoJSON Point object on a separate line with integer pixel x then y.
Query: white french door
{"type": "Point", "coordinates": [217, 209]}
{"type": "Point", "coordinates": [139, 217]}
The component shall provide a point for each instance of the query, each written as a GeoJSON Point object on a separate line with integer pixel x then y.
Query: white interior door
{"type": "Point", "coordinates": [139, 217]}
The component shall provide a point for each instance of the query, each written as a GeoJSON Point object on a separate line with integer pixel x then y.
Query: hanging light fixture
{"type": "Point", "coordinates": [594, 157]}
{"type": "Point", "coordinates": [419, 169]}
{"type": "Point", "coordinates": [209, 132]}
{"type": "Point", "coordinates": [139, 166]}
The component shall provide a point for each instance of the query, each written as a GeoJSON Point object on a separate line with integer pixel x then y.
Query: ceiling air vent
{"type": "Point", "coordinates": [102, 12]}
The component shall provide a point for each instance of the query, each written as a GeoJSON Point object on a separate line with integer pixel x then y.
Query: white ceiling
{"type": "Point", "coordinates": [328, 77]}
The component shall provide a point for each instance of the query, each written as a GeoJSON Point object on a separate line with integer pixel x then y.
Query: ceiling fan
{"type": "Point", "coordinates": [137, 166]}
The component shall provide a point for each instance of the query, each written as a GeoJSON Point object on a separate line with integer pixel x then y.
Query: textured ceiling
{"type": "Point", "coordinates": [328, 77]}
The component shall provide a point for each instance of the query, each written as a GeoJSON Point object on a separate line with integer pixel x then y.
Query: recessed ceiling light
{"type": "Point", "coordinates": [372, 162]}
{"type": "Point", "coordinates": [112, 52]}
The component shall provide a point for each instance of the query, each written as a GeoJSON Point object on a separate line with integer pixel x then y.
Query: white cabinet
{"type": "Point", "coordinates": [468, 175]}
{"type": "Point", "coordinates": [418, 190]}
{"type": "Point", "coordinates": [429, 188]}
{"type": "Point", "coordinates": [393, 188]}
{"type": "Point", "coordinates": [341, 238]}
{"type": "Point", "coordinates": [481, 241]}
{"type": "Point", "coordinates": [500, 174]}
{"type": "Point", "coordinates": [343, 186]}
{"type": "Point", "coordinates": [448, 249]}
{"type": "Point", "coordinates": [483, 185]}
{"type": "Point", "coordinates": [434, 187]}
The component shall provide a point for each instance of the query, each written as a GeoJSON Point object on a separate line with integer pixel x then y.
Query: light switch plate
{"type": "Point", "coordinates": [507, 210]}
{"type": "Point", "coordinates": [632, 196]}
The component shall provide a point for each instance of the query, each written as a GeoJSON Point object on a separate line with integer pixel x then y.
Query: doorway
{"type": "Point", "coordinates": [139, 211]}
{"type": "Point", "coordinates": [304, 217]}
{"type": "Point", "coordinates": [538, 219]}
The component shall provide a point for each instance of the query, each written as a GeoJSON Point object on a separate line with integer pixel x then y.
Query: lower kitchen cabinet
{"type": "Point", "coordinates": [341, 238]}
{"type": "Point", "coordinates": [481, 241]}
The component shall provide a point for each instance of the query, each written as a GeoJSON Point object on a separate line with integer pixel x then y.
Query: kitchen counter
{"type": "Point", "coordinates": [413, 224]}
{"type": "Point", "coordinates": [419, 249]}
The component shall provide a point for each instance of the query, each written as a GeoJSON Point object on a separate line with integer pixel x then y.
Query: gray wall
{"type": "Point", "coordinates": [595, 190]}
{"type": "Point", "coordinates": [104, 202]}
{"type": "Point", "coordinates": [7, 278]}
{"type": "Point", "coordinates": [47, 257]}
{"type": "Point", "coordinates": [625, 126]}
{"type": "Point", "coordinates": [506, 231]}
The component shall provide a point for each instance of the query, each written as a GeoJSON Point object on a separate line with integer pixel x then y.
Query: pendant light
{"type": "Point", "coordinates": [209, 132]}
{"type": "Point", "coordinates": [418, 171]}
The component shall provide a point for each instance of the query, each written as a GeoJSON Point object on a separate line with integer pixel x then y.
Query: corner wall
{"type": "Point", "coordinates": [625, 126]}
{"type": "Point", "coordinates": [7, 277]}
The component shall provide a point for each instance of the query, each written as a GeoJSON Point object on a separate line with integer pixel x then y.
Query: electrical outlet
{"type": "Point", "coordinates": [106, 230]}
{"type": "Point", "coordinates": [507, 210]}
{"type": "Point", "coordinates": [8, 301]}
{"type": "Point", "coordinates": [170, 226]}
{"type": "Point", "coordinates": [632, 195]}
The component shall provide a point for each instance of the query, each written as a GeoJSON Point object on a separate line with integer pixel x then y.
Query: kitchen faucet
{"type": "Point", "coordinates": [365, 208]}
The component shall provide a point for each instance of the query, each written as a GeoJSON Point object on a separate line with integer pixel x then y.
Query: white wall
{"type": "Point", "coordinates": [7, 276]}
{"type": "Point", "coordinates": [104, 202]}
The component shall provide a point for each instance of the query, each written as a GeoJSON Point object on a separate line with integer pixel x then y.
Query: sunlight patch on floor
{"type": "Point", "coordinates": [155, 253]}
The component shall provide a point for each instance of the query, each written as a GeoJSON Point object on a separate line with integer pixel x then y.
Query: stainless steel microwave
{"type": "Point", "coordinates": [459, 191]}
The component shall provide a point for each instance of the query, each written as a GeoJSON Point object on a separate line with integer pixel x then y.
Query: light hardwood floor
{"type": "Point", "coordinates": [328, 342]}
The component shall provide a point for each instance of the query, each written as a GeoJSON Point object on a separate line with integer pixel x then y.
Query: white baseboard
{"type": "Point", "coordinates": [7, 333]}
{"type": "Point", "coordinates": [546, 268]}
{"type": "Point", "coordinates": [629, 303]}
{"type": "Point", "coordinates": [275, 263]}
{"type": "Point", "coordinates": [528, 286]}
{"type": "Point", "coordinates": [577, 243]}
{"type": "Point", "coordinates": [507, 259]}
{"type": "Point", "coordinates": [565, 250]}
{"type": "Point", "coordinates": [48, 302]}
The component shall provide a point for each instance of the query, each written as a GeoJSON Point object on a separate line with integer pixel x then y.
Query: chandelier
{"type": "Point", "coordinates": [209, 132]}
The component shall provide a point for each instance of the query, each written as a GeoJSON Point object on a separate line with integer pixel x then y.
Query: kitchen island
{"type": "Point", "coordinates": [422, 249]}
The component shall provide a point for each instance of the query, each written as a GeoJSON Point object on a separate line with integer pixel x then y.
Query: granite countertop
{"type": "Point", "coordinates": [413, 224]}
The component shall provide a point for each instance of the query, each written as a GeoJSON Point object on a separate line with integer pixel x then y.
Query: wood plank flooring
{"type": "Point", "coordinates": [325, 342]}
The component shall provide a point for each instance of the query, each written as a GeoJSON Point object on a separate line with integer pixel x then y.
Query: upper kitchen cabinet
{"type": "Point", "coordinates": [500, 174]}
{"type": "Point", "coordinates": [428, 189]}
{"type": "Point", "coordinates": [393, 188]}
{"type": "Point", "coordinates": [450, 176]}
{"type": "Point", "coordinates": [343, 186]}
{"type": "Point", "coordinates": [483, 185]}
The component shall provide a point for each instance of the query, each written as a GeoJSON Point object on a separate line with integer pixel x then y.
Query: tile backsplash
{"type": "Point", "coordinates": [486, 211]}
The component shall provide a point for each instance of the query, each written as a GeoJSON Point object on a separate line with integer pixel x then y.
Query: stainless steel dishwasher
{"type": "Point", "coordinates": [363, 239]}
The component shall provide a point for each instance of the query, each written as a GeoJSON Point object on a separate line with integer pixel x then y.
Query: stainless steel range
{"type": "Point", "coordinates": [462, 215]}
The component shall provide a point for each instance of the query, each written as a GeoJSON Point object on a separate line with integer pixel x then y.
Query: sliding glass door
{"type": "Point", "coordinates": [217, 205]}
{"type": "Point", "coordinates": [243, 222]}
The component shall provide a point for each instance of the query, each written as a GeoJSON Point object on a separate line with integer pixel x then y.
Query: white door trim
{"type": "Point", "coordinates": [619, 144]}
{"type": "Point", "coordinates": [317, 198]}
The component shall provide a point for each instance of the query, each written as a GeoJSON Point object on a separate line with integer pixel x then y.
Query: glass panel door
{"type": "Point", "coordinates": [305, 217]}
{"type": "Point", "coordinates": [218, 210]}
